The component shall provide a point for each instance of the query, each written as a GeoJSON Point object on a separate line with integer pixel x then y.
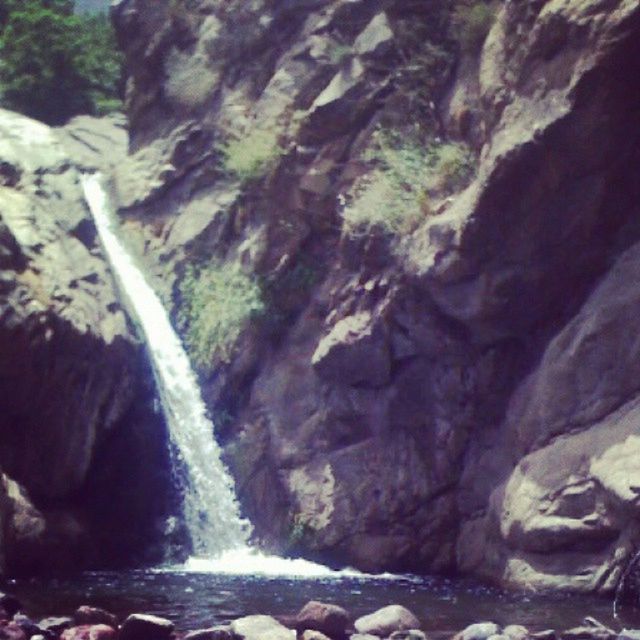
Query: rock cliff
{"type": "Point", "coordinates": [441, 230]}
{"type": "Point", "coordinates": [81, 449]}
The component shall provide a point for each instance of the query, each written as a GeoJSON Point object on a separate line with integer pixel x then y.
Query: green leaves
{"type": "Point", "coordinates": [218, 301]}
{"type": "Point", "coordinates": [54, 64]}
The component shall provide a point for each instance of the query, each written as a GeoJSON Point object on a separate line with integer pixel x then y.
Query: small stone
{"type": "Point", "coordinates": [363, 636]}
{"type": "Point", "coordinates": [545, 634]}
{"type": "Point", "coordinates": [89, 632]}
{"type": "Point", "coordinates": [214, 633]}
{"type": "Point", "coordinates": [329, 619]}
{"type": "Point", "coordinates": [498, 636]}
{"type": "Point", "coordinates": [55, 625]}
{"type": "Point", "coordinates": [139, 626]}
{"type": "Point", "coordinates": [94, 615]}
{"type": "Point", "coordinates": [385, 621]}
{"type": "Point", "coordinates": [409, 634]}
{"type": "Point", "coordinates": [312, 634]}
{"type": "Point", "coordinates": [260, 628]}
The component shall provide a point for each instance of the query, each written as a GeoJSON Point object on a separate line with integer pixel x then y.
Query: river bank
{"type": "Point", "coordinates": [315, 620]}
{"type": "Point", "coordinates": [194, 600]}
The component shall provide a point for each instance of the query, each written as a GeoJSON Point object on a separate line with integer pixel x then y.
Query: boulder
{"type": "Point", "coordinates": [385, 621]}
{"type": "Point", "coordinates": [140, 626]}
{"type": "Point", "coordinates": [260, 627]}
{"type": "Point", "coordinates": [329, 619]}
{"type": "Point", "coordinates": [94, 615]}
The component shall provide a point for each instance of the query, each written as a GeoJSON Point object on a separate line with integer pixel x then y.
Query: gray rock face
{"type": "Point", "coordinates": [75, 385]}
{"type": "Point", "coordinates": [460, 397]}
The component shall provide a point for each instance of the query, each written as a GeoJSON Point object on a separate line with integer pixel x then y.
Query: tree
{"type": "Point", "coordinates": [55, 64]}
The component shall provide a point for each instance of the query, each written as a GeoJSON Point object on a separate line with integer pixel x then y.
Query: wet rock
{"type": "Point", "coordinates": [214, 633]}
{"type": "Point", "coordinates": [94, 615]}
{"type": "Point", "coordinates": [545, 634]}
{"type": "Point", "coordinates": [329, 619]}
{"type": "Point", "coordinates": [56, 625]}
{"type": "Point", "coordinates": [12, 631]}
{"type": "Point", "coordinates": [588, 632]}
{"type": "Point", "coordinates": [516, 632]}
{"type": "Point", "coordinates": [385, 621]}
{"type": "Point", "coordinates": [260, 627]}
{"type": "Point", "coordinates": [479, 631]}
{"type": "Point", "coordinates": [312, 634]}
{"type": "Point", "coordinates": [27, 624]}
{"type": "Point", "coordinates": [140, 626]}
{"type": "Point", "coordinates": [91, 632]}
{"type": "Point", "coordinates": [409, 634]}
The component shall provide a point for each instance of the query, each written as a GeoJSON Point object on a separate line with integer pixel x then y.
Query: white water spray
{"type": "Point", "coordinates": [218, 533]}
{"type": "Point", "coordinates": [210, 509]}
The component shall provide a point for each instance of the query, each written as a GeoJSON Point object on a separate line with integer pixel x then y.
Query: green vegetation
{"type": "Point", "coordinates": [218, 300]}
{"type": "Point", "coordinates": [471, 22]}
{"type": "Point", "coordinates": [54, 64]}
{"type": "Point", "coordinates": [250, 157]}
{"type": "Point", "coordinates": [407, 175]}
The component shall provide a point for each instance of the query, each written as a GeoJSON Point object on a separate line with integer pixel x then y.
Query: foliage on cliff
{"type": "Point", "coordinates": [54, 64]}
{"type": "Point", "coordinates": [217, 303]}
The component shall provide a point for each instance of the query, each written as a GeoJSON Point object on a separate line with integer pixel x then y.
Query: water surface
{"type": "Point", "coordinates": [195, 600]}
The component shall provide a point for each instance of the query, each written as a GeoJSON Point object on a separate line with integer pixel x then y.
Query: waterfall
{"type": "Point", "coordinates": [219, 535]}
{"type": "Point", "coordinates": [211, 510]}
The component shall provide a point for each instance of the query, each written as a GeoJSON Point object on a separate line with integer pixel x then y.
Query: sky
{"type": "Point", "coordinates": [92, 5]}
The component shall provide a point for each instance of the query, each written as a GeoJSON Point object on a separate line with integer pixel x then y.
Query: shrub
{"type": "Point", "coordinates": [451, 167]}
{"type": "Point", "coordinates": [250, 157]}
{"type": "Point", "coordinates": [217, 302]}
{"type": "Point", "coordinates": [396, 195]}
{"type": "Point", "coordinates": [471, 23]}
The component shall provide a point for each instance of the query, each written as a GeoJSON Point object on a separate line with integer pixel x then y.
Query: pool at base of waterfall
{"type": "Point", "coordinates": [194, 599]}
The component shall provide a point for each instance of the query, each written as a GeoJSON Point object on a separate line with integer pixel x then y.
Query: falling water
{"type": "Point", "coordinates": [219, 535]}
{"type": "Point", "coordinates": [210, 508]}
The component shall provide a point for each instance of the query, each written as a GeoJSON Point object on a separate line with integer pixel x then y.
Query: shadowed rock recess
{"type": "Point", "coordinates": [455, 394]}
{"type": "Point", "coordinates": [82, 453]}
